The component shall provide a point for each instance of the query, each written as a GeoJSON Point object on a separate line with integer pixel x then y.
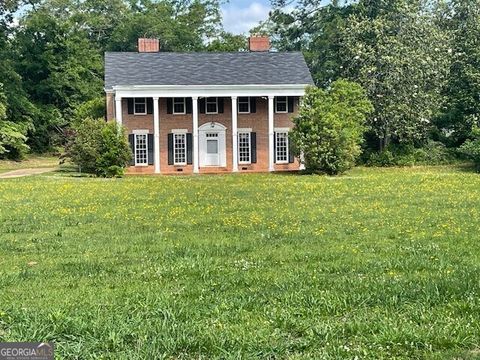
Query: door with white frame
{"type": "Point", "coordinates": [212, 149]}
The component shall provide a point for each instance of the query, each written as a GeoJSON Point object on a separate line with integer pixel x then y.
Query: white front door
{"type": "Point", "coordinates": [212, 157]}
{"type": "Point", "coordinates": [212, 146]}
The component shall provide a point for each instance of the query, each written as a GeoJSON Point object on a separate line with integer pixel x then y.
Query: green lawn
{"type": "Point", "coordinates": [33, 161]}
{"type": "Point", "coordinates": [380, 263]}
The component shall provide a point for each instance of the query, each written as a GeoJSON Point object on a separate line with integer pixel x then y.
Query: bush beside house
{"type": "Point", "coordinates": [98, 147]}
{"type": "Point", "coordinates": [329, 129]}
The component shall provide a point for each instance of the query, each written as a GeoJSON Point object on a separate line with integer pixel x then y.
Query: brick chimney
{"type": "Point", "coordinates": [259, 43]}
{"type": "Point", "coordinates": [148, 45]}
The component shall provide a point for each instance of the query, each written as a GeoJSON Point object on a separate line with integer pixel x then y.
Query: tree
{"type": "Point", "coordinates": [228, 42]}
{"type": "Point", "coordinates": [315, 29]}
{"type": "Point", "coordinates": [59, 68]}
{"type": "Point", "coordinates": [462, 99]}
{"type": "Point", "coordinates": [399, 54]}
{"type": "Point", "coordinates": [12, 135]}
{"type": "Point", "coordinates": [330, 125]}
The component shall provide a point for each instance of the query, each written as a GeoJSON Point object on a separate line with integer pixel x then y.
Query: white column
{"type": "Point", "coordinates": [156, 136]}
{"type": "Point", "coordinates": [271, 155]}
{"type": "Point", "coordinates": [118, 110]}
{"type": "Point", "coordinates": [234, 134]}
{"type": "Point", "coordinates": [195, 133]}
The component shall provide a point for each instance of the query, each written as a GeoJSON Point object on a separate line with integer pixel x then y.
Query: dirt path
{"type": "Point", "coordinates": [24, 172]}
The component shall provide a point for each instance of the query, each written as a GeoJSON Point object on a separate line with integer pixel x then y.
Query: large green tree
{"type": "Point", "coordinates": [396, 50]}
{"type": "Point", "coordinates": [462, 93]}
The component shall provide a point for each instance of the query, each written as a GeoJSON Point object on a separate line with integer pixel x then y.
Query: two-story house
{"type": "Point", "coordinates": [206, 112]}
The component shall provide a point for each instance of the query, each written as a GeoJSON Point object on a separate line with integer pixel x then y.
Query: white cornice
{"type": "Point", "coordinates": [123, 91]}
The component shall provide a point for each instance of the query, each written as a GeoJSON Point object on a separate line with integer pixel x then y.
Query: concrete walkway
{"type": "Point", "coordinates": [24, 172]}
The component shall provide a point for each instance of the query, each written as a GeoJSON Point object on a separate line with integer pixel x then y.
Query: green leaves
{"type": "Point", "coordinates": [330, 126]}
{"type": "Point", "coordinates": [98, 147]}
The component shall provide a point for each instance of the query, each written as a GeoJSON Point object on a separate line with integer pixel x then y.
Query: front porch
{"type": "Point", "coordinates": [201, 136]}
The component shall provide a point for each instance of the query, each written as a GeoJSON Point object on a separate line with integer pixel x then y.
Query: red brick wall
{"type": "Point", "coordinates": [258, 122]}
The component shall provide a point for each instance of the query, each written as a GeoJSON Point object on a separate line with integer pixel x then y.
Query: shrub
{"type": "Point", "coordinates": [471, 148]}
{"type": "Point", "coordinates": [12, 135]}
{"type": "Point", "coordinates": [98, 147]}
{"type": "Point", "coordinates": [329, 129]}
{"type": "Point", "coordinates": [432, 153]}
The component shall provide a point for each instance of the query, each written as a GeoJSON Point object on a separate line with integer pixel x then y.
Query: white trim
{"type": "Point", "coordinates": [239, 130]}
{"type": "Point", "coordinates": [184, 134]}
{"type": "Point", "coordinates": [179, 131]}
{"type": "Point", "coordinates": [118, 110]}
{"type": "Point", "coordinates": [156, 135]}
{"type": "Point", "coordinates": [140, 131]}
{"type": "Point", "coordinates": [238, 105]}
{"type": "Point", "coordinates": [249, 133]}
{"type": "Point", "coordinates": [282, 129]}
{"type": "Point", "coordinates": [208, 90]}
{"type": "Point", "coordinates": [234, 134]}
{"type": "Point", "coordinates": [287, 145]}
{"type": "Point", "coordinates": [276, 105]}
{"type": "Point", "coordinates": [271, 154]}
{"type": "Point", "coordinates": [212, 126]}
{"type": "Point", "coordinates": [195, 133]}
{"type": "Point", "coordinates": [216, 105]}
{"type": "Point", "coordinates": [184, 106]}
{"type": "Point", "coordinates": [135, 108]}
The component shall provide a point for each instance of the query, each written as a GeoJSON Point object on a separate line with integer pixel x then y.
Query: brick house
{"type": "Point", "coordinates": [206, 112]}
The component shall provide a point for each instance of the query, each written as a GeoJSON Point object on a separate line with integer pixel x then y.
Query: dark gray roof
{"type": "Point", "coordinates": [239, 68]}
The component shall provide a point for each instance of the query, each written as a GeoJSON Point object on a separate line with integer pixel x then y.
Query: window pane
{"type": "Point", "coordinates": [212, 147]}
{"type": "Point", "coordinates": [179, 149]}
{"type": "Point", "coordinates": [244, 147]}
{"type": "Point", "coordinates": [140, 105]}
{"type": "Point", "coordinates": [243, 104]}
{"type": "Point", "coordinates": [141, 149]}
{"type": "Point", "coordinates": [212, 105]}
{"type": "Point", "coordinates": [281, 104]}
{"type": "Point", "coordinates": [179, 105]}
{"type": "Point", "coordinates": [281, 147]}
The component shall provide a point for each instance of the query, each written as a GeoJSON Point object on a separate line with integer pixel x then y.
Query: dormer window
{"type": "Point", "coordinates": [140, 106]}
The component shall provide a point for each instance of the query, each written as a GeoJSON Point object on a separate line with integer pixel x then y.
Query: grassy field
{"type": "Point", "coordinates": [377, 264]}
{"type": "Point", "coordinates": [33, 161]}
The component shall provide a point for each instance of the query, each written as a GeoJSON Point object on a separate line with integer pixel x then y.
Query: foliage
{"type": "Point", "coordinates": [462, 105]}
{"type": "Point", "coordinates": [98, 147]}
{"type": "Point", "coordinates": [94, 109]}
{"type": "Point", "coordinates": [315, 29]}
{"type": "Point", "coordinates": [136, 268]}
{"type": "Point", "coordinates": [399, 54]}
{"type": "Point", "coordinates": [228, 42]}
{"type": "Point", "coordinates": [330, 125]}
{"type": "Point", "coordinates": [471, 147]}
{"type": "Point", "coordinates": [12, 135]}
{"type": "Point", "coordinates": [430, 153]}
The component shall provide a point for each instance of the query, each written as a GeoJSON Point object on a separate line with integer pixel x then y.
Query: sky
{"type": "Point", "coordinates": [239, 16]}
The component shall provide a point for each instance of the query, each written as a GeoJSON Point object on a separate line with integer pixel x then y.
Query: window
{"type": "Point", "coordinates": [244, 148]}
{"type": "Point", "coordinates": [281, 147]}
{"type": "Point", "coordinates": [281, 105]}
{"type": "Point", "coordinates": [179, 106]}
{"type": "Point", "coordinates": [140, 106]}
{"type": "Point", "coordinates": [180, 149]}
{"type": "Point", "coordinates": [244, 105]}
{"type": "Point", "coordinates": [141, 153]}
{"type": "Point", "coordinates": [211, 105]}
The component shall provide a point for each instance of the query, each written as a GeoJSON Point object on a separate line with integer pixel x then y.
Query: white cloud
{"type": "Point", "coordinates": [239, 20]}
